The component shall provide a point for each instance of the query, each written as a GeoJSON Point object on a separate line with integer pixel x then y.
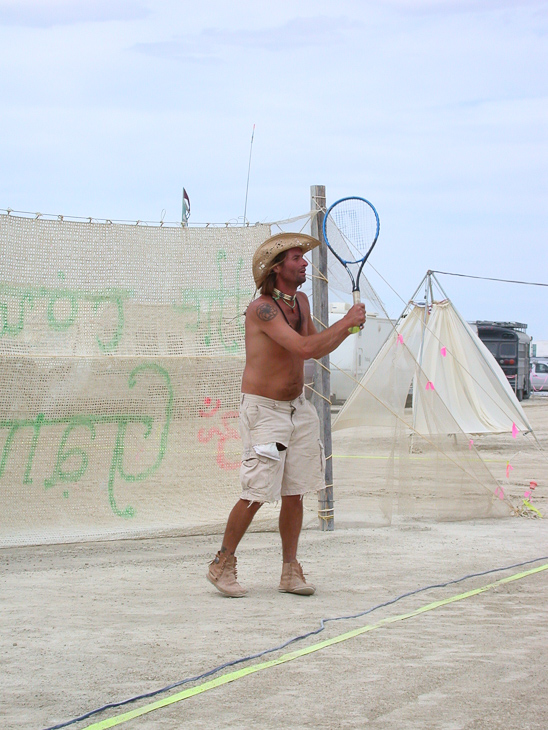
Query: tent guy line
{"type": "Point", "coordinates": [489, 278]}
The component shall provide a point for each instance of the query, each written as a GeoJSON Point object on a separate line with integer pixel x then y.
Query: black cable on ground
{"type": "Point", "coordinates": [321, 627]}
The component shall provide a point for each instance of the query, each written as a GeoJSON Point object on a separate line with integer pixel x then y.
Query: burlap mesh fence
{"type": "Point", "coordinates": [121, 353]}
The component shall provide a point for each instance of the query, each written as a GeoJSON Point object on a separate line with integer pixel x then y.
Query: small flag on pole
{"type": "Point", "coordinates": [186, 207]}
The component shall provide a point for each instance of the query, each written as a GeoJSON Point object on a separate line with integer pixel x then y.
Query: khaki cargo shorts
{"type": "Point", "coordinates": [282, 451]}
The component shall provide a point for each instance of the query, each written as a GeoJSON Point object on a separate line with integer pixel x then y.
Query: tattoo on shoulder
{"type": "Point", "coordinates": [266, 311]}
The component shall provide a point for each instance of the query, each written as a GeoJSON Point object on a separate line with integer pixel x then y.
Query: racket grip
{"type": "Point", "coordinates": [357, 300]}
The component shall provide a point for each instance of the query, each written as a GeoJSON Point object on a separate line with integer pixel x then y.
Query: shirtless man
{"type": "Point", "coordinates": [282, 452]}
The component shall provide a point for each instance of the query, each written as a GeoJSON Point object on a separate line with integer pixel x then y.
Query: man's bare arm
{"type": "Point", "coordinates": [314, 345]}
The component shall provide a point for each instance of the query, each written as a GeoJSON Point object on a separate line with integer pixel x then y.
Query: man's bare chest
{"type": "Point", "coordinates": [292, 315]}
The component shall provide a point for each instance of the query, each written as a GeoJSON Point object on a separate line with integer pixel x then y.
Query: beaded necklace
{"type": "Point", "coordinates": [287, 298]}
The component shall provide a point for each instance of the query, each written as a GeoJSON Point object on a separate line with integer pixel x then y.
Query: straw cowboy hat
{"type": "Point", "coordinates": [269, 249]}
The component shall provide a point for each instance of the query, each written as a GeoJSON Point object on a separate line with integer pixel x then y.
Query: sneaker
{"type": "Point", "coordinates": [222, 574]}
{"type": "Point", "coordinates": [293, 581]}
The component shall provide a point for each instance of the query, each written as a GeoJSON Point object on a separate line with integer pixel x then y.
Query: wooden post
{"type": "Point", "coordinates": [322, 374]}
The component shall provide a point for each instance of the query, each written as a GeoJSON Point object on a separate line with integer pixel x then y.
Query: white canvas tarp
{"type": "Point", "coordinates": [436, 349]}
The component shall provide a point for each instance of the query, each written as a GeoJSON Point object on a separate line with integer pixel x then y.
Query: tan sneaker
{"type": "Point", "coordinates": [292, 580]}
{"type": "Point", "coordinates": [222, 574]}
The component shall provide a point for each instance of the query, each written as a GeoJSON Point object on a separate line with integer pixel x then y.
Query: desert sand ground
{"type": "Point", "coordinates": [87, 624]}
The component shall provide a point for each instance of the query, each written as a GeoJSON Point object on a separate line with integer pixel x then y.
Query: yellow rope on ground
{"type": "Point", "coordinates": [240, 673]}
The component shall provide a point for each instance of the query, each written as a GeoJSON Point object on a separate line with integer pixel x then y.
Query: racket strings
{"type": "Point", "coordinates": [340, 242]}
{"type": "Point", "coordinates": [352, 227]}
{"type": "Point", "coordinates": [348, 252]}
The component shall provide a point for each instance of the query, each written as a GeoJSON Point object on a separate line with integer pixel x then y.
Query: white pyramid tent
{"type": "Point", "coordinates": [434, 341]}
{"type": "Point", "coordinates": [428, 460]}
{"type": "Point", "coordinates": [467, 377]}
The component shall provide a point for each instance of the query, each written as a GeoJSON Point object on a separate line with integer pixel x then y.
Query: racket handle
{"type": "Point", "coordinates": [357, 300]}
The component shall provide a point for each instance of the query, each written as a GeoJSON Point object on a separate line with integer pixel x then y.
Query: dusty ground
{"type": "Point", "coordinates": [87, 624]}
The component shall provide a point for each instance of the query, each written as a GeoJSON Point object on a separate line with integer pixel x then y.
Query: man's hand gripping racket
{"type": "Point", "coordinates": [351, 229]}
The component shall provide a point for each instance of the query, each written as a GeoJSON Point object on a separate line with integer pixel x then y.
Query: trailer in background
{"type": "Point", "coordinates": [539, 348]}
{"type": "Point", "coordinates": [353, 357]}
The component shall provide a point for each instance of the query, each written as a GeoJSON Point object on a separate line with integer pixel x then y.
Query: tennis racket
{"type": "Point", "coordinates": [351, 229]}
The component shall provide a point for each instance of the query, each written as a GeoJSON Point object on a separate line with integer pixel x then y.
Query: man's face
{"type": "Point", "coordinates": [292, 270]}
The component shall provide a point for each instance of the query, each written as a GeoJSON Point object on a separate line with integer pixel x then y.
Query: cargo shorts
{"type": "Point", "coordinates": [282, 451]}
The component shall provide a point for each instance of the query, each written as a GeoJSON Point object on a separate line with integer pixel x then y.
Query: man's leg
{"type": "Point", "coordinates": [222, 570]}
{"type": "Point", "coordinates": [291, 521]}
{"type": "Point", "coordinates": [240, 518]}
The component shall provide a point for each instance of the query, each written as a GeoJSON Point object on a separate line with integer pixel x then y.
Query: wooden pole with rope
{"type": "Point", "coordinates": [321, 398]}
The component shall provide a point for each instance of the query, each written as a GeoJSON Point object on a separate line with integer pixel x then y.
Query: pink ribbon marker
{"type": "Point", "coordinates": [400, 339]}
{"type": "Point", "coordinates": [429, 385]}
{"type": "Point", "coordinates": [470, 444]}
{"type": "Point", "coordinates": [509, 468]}
{"type": "Point", "coordinates": [515, 431]}
{"type": "Point", "coordinates": [527, 495]}
{"type": "Point", "coordinates": [443, 351]}
{"type": "Point", "coordinates": [499, 492]}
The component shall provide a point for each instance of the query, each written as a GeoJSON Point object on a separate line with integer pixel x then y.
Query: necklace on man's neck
{"type": "Point", "coordinates": [287, 298]}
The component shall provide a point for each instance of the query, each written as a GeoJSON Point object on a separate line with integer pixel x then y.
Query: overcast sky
{"type": "Point", "coordinates": [435, 110]}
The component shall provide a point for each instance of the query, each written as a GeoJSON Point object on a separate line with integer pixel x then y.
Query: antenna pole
{"type": "Point", "coordinates": [248, 171]}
